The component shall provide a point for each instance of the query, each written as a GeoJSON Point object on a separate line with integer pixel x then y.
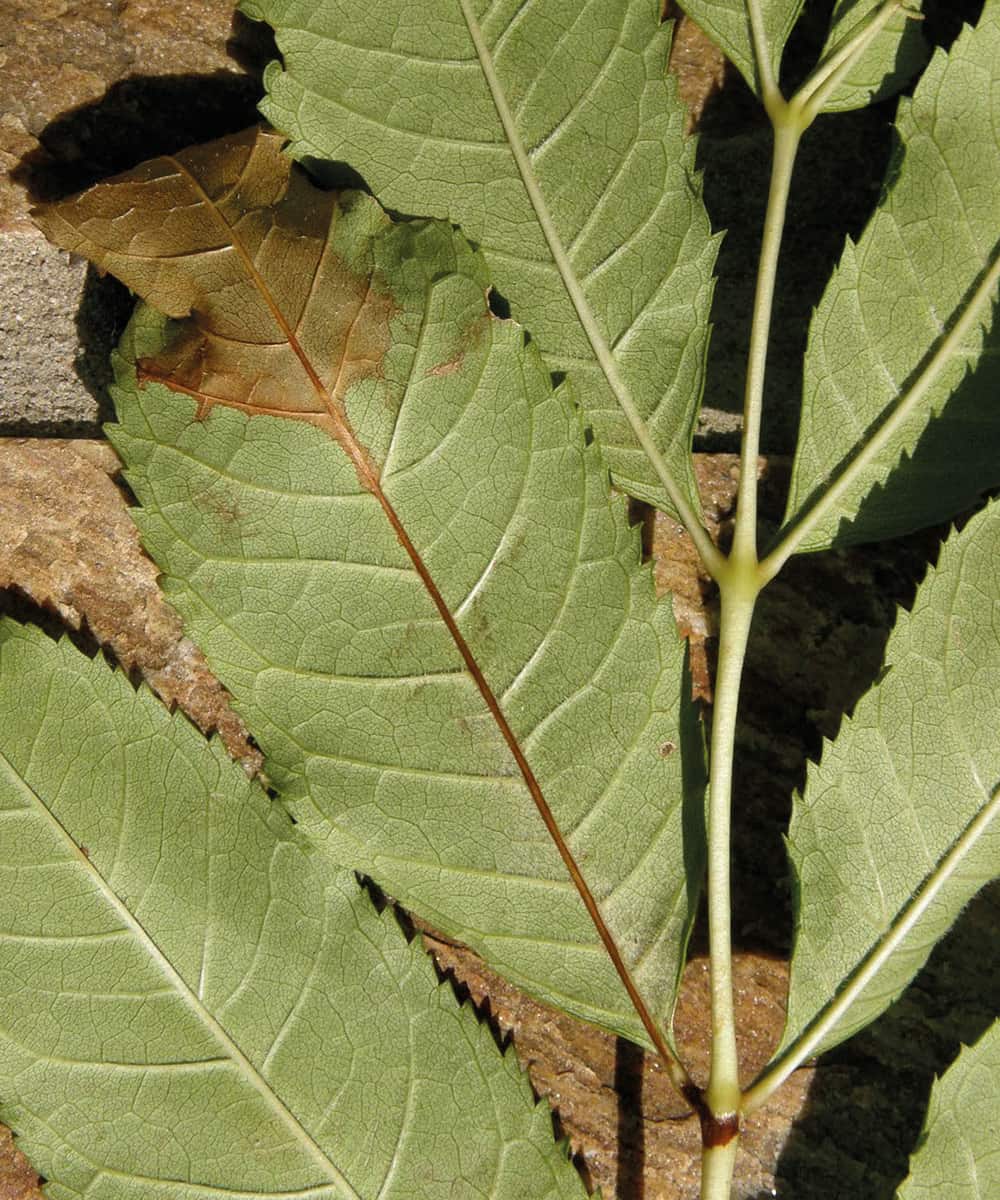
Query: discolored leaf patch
{"type": "Point", "coordinates": [231, 238]}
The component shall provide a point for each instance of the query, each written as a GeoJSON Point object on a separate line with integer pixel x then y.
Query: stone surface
{"type": "Point", "coordinates": [49, 382]}
{"type": "Point", "coordinates": [90, 88]}
{"type": "Point", "coordinates": [68, 545]}
{"type": "Point", "coordinates": [17, 1179]}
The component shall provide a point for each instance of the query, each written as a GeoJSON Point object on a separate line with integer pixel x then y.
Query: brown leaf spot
{"type": "Point", "coordinates": [448, 368]}
{"type": "Point", "coordinates": [235, 241]}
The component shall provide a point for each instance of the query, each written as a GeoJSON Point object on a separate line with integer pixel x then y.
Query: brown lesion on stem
{"type": "Point", "coordinates": [715, 1131]}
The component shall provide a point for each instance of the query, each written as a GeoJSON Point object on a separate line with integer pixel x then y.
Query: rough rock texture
{"type": "Point", "coordinates": [68, 545]}
{"type": "Point", "coordinates": [90, 88]}
{"type": "Point", "coordinates": [17, 1179]}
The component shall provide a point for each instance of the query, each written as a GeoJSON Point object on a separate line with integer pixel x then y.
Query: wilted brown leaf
{"type": "Point", "coordinates": [233, 237]}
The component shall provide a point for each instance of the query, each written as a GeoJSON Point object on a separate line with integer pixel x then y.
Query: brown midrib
{"type": "Point", "coordinates": [369, 478]}
{"type": "Point", "coordinates": [341, 427]}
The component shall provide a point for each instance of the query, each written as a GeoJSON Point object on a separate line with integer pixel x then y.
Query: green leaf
{"type": "Point", "coordinates": [414, 574]}
{"type": "Point", "coordinates": [897, 54]}
{"type": "Point", "coordinates": [309, 613]}
{"type": "Point", "coordinates": [727, 23]}
{"type": "Point", "coordinates": [957, 1156]}
{"type": "Point", "coordinates": [897, 830]}
{"type": "Point", "coordinates": [896, 293]}
{"type": "Point", "coordinates": [606, 178]}
{"type": "Point", "coordinates": [195, 1003]}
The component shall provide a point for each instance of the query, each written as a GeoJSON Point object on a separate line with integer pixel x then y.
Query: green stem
{"type": "Point", "coordinates": [717, 1165]}
{"type": "Point", "coordinates": [739, 594]}
{"type": "Point", "coordinates": [787, 135]}
{"type": "Point", "coordinates": [740, 579]}
{"type": "Point", "coordinates": [739, 587]}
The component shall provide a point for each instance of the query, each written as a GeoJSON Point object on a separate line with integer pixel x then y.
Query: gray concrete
{"type": "Point", "coordinates": [48, 382]}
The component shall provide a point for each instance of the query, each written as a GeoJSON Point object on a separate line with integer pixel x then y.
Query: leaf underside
{"type": "Point", "coordinates": [896, 55]}
{"type": "Point", "coordinates": [726, 22]}
{"type": "Point", "coordinates": [193, 1003]}
{"type": "Point", "coordinates": [289, 576]}
{"type": "Point", "coordinates": [396, 90]}
{"type": "Point", "coordinates": [908, 773]}
{"type": "Point", "coordinates": [893, 296]}
{"type": "Point", "coordinates": [958, 1154]}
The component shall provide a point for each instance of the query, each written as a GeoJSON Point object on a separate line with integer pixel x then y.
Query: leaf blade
{"type": "Point", "coordinates": [268, 978]}
{"type": "Point", "coordinates": [897, 54]}
{"type": "Point", "coordinates": [862, 354]}
{"type": "Point", "coordinates": [957, 1150]}
{"type": "Point", "coordinates": [726, 22]}
{"type": "Point", "coordinates": [914, 738]}
{"type": "Point", "coordinates": [604, 135]}
{"type": "Point", "coordinates": [324, 618]}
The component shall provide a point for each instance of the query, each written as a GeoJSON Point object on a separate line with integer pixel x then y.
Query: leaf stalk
{"type": "Point", "coordinates": [787, 135]}
{"type": "Point", "coordinates": [739, 595]}
{"type": "Point", "coordinates": [770, 93]}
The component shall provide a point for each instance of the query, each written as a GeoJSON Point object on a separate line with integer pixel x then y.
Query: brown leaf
{"type": "Point", "coordinates": [233, 236]}
{"type": "Point", "coordinates": [67, 543]}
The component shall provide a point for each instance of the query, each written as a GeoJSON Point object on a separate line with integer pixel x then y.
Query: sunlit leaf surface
{"type": "Point", "coordinates": [900, 789]}
{"type": "Point", "coordinates": [194, 1003]}
{"type": "Point", "coordinates": [427, 468]}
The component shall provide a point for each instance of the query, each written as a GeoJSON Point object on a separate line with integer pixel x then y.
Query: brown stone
{"type": "Point", "coordinates": [68, 545]}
